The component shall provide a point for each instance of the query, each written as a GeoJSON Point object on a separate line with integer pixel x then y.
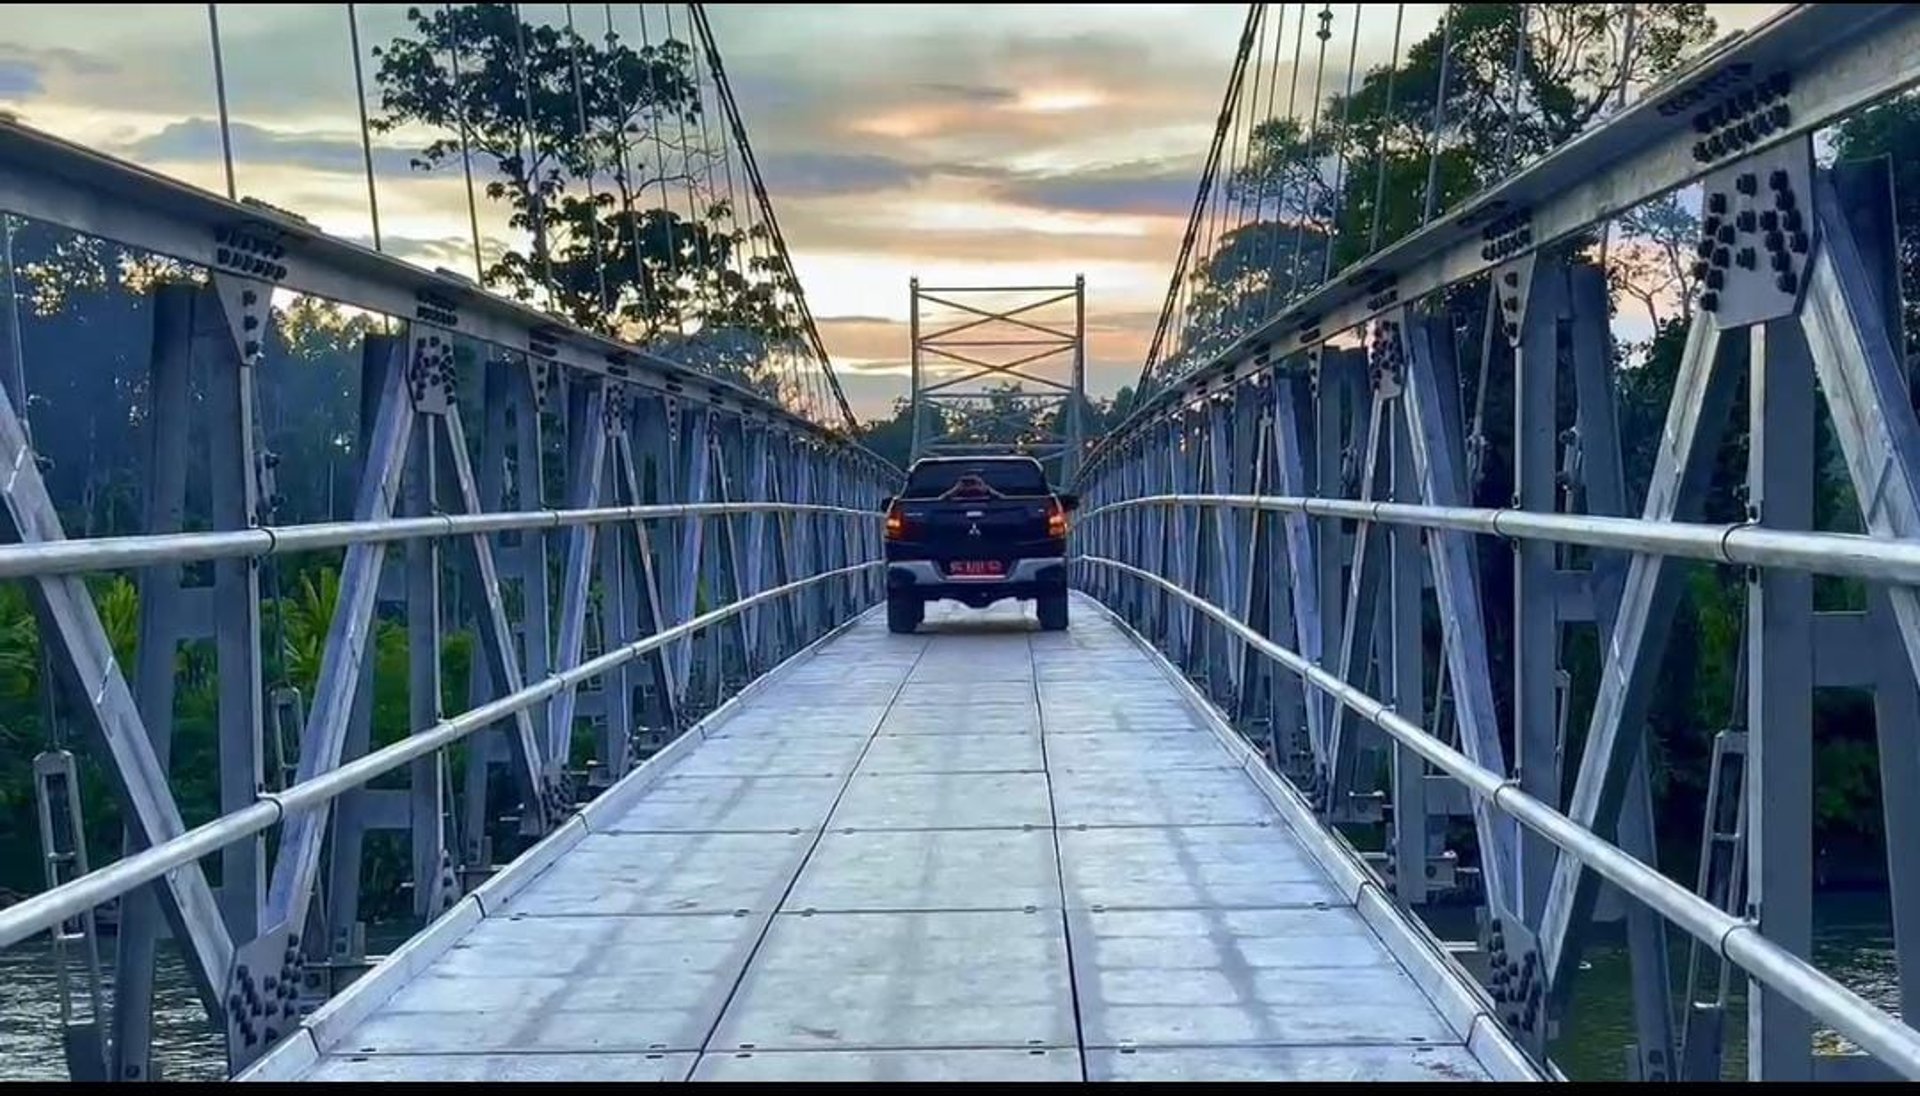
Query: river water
{"type": "Point", "coordinates": [1853, 943]}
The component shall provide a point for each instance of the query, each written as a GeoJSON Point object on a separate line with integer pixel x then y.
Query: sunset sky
{"type": "Point", "coordinates": [963, 143]}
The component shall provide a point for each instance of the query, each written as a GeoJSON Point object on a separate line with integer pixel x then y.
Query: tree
{"type": "Point", "coordinates": [1653, 260]}
{"type": "Point", "coordinates": [1361, 175]}
{"type": "Point", "coordinates": [589, 144]}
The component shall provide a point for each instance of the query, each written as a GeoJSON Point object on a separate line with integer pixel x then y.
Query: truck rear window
{"type": "Point", "coordinates": [1011, 478]}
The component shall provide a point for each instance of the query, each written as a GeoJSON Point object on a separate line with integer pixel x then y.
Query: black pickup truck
{"type": "Point", "coordinates": [977, 530]}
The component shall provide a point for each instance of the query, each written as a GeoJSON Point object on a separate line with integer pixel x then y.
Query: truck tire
{"type": "Point", "coordinates": [1053, 612]}
{"type": "Point", "coordinates": [904, 614]}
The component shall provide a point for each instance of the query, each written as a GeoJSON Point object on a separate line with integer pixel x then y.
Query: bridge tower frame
{"type": "Point", "coordinates": [1061, 448]}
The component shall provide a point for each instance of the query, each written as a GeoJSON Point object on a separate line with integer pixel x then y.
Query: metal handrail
{"type": "Point", "coordinates": [47, 909]}
{"type": "Point", "coordinates": [66, 557]}
{"type": "Point", "coordinates": [1732, 938]}
{"type": "Point", "coordinates": [1745, 544]}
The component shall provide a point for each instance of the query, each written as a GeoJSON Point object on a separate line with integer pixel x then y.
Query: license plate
{"type": "Point", "coordinates": [988, 568]}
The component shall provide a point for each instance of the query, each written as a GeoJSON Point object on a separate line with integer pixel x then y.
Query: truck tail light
{"type": "Point", "coordinates": [896, 523]}
{"type": "Point", "coordinates": [1057, 521]}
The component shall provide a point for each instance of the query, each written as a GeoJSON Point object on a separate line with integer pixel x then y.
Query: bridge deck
{"type": "Point", "coordinates": [981, 852]}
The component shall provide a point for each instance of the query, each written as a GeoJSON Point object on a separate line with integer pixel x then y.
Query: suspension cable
{"type": "Point", "coordinates": [1312, 175]}
{"type": "Point", "coordinates": [1270, 252]}
{"type": "Point", "coordinates": [698, 222]}
{"type": "Point", "coordinates": [1174, 285]}
{"type": "Point", "coordinates": [536, 201]}
{"type": "Point", "coordinates": [1439, 118]}
{"type": "Point", "coordinates": [660, 155]}
{"type": "Point", "coordinates": [1508, 153]}
{"type": "Point", "coordinates": [1216, 219]}
{"type": "Point", "coordinates": [1620, 102]}
{"type": "Point", "coordinates": [466, 151]}
{"type": "Point", "coordinates": [1386, 127]}
{"type": "Point", "coordinates": [220, 97]}
{"type": "Point", "coordinates": [1253, 126]}
{"type": "Point", "coordinates": [730, 255]}
{"type": "Point", "coordinates": [1340, 166]}
{"type": "Point", "coordinates": [587, 153]}
{"type": "Point", "coordinates": [779, 241]}
{"type": "Point", "coordinates": [625, 180]}
{"type": "Point", "coordinates": [1293, 98]}
{"type": "Point", "coordinates": [366, 134]}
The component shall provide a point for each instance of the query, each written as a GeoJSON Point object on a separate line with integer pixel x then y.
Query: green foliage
{"type": "Point", "coordinates": [1311, 199]}
{"type": "Point", "coordinates": [612, 148]}
{"type": "Point", "coordinates": [1008, 412]}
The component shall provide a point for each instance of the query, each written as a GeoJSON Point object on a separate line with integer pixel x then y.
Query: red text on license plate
{"type": "Point", "coordinates": [975, 568]}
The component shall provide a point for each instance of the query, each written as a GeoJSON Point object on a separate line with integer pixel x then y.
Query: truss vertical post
{"type": "Point", "coordinates": [1303, 574]}
{"type": "Point", "coordinates": [1780, 698]}
{"type": "Point", "coordinates": [160, 596]}
{"type": "Point", "coordinates": [1602, 481]}
{"type": "Point", "coordinates": [235, 348]}
{"type": "Point", "coordinates": [1530, 296]}
{"type": "Point", "coordinates": [1407, 576]}
{"type": "Point", "coordinates": [489, 495]}
{"type": "Point", "coordinates": [1077, 398]}
{"type": "Point", "coordinates": [586, 452]}
{"type": "Point", "coordinates": [917, 410]}
{"type": "Point", "coordinates": [529, 392]}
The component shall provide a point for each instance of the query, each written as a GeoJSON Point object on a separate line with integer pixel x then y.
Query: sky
{"type": "Point", "coordinates": [979, 144]}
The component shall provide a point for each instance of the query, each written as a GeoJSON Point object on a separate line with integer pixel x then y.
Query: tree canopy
{"type": "Point", "coordinates": [1312, 194]}
{"type": "Point", "coordinates": [601, 152]}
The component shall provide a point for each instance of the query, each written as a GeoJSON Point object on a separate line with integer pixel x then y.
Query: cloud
{"type": "Point", "coordinates": [1152, 187]}
{"type": "Point", "coordinates": [809, 173]}
{"type": "Point", "coordinates": [977, 94]}
{"type": "Point", "coordinates": [19, 78]}
{"type": "Point", "coordinates": [199, 139]}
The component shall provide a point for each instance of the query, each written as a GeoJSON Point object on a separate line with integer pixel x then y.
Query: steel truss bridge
{"type": "Point", "coordinates": [698, 816]}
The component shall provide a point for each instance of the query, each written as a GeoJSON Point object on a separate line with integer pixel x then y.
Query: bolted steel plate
{"type": "Point", "coordinates": [731, 803]}
{"type": "Point", "coordinates": [1309, 1063]}
{"type": "Point", "coordinates": [655, 873]}
{"type": "Point", "coordinates": [1136, 751]}
{"type": "Point", "coordinates": [656, 1066]}
{"type": "Point", "coordinates": [1241, 978]}
{"type": "Point", "coordinates": [943, 801]}
{"type": "Point", "coordinates": [1035, 1064]}
{"type": "Point", "coordinates": [900, 980]}
{"type": "Point", "coordinates": [1173, 797]}
{"type": "Point", "coordinates": [1191, 867]}
{"type": "Point", "coordinates": [953, 753]}
{"type": "Point", "coordinates": [982, 718]}
{"type": "Point", "coordinates": [929, 870]}
{"type": "Point", "coordinates": [582, 984]}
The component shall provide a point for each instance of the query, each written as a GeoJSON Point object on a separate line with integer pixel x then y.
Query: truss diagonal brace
{"type": "Point", "coordinates": [496, 638]}
{"type": "Point", "coordinates": [1702, 396]}
{"type": "Point", "coordinates": [70, 625]}
{"type": "Point", "coordinates": [1438, 464]}
{"type": "Point", "coordinates": [348, 636]}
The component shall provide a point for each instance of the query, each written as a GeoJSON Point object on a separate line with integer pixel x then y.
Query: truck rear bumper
{"type": "Point", "coordinates": [1028, 578]}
